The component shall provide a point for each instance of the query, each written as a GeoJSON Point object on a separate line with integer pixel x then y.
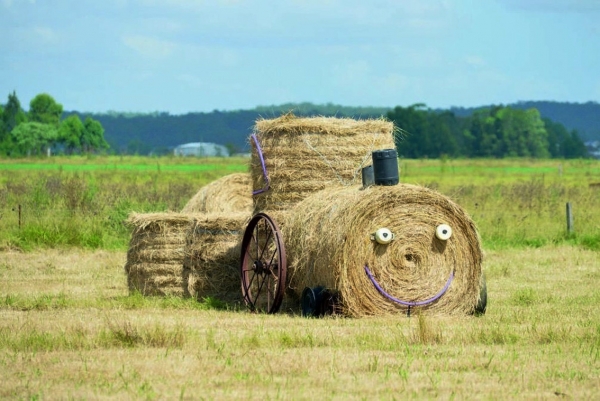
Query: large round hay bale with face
{"type": "Point", "coordinates": [330, 241]}
{"type": "Point", "coordinates": [154, 263]}
{"type": "Point", "coordinates": [231, 193]}
{"type": "Point", "coordinates": [212, 255]}
{"type": "Point", "coordinates": [300, 156]}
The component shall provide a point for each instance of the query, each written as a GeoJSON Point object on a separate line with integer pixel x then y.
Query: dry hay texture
{"type": "Point", "coordinates": [212, 255]}
{"type": "Point", "coordinates": [305, 155]}
{"type": "Point", "coordinates": [154, 263]}
{"type": "Point", "coordinates": [231, 193]}
{"type": "Point", "coordinates": [328, 243]}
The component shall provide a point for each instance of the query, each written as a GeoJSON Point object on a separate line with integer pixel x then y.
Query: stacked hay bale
{"type": "Point", "coordinates": [328, 239]}
{"type": "Point", "coordinates": [301, 156]}
{"type": "Point", "coordinates": [212, 255]}
{"type": "Point", "coordinates": [231, 193]}
{"type": "Point", "coordinates": [156, 251]}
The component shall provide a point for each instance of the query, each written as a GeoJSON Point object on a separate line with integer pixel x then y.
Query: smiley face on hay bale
{"type": "Point", "coordinates": [329, 242]}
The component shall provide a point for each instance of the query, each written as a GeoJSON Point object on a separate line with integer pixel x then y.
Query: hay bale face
{"type": "Point", "coordinates": [212, 255]}
{"type": "Point", "coordinates": [331, 237]}
{"type": "Point", "coordinates": [231, 193]}
{"type": "Point", "coordinates": [155, 256]}
{"type": "Point", "coordinates": [305, 155]}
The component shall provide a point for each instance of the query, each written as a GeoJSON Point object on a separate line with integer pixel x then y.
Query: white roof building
{"type": "Point", "coordinates": [201, 149]}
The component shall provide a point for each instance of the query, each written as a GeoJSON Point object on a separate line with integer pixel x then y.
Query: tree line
{"type": "Point", "coordinates": [41, 130]}
{"type": "Point", "coordinates": [494, 131]}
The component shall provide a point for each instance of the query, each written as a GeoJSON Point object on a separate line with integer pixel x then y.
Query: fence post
{"type": "Point", "coordinates": [569, 218]}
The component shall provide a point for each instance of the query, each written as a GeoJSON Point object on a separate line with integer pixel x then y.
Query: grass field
{"type": "Point", "coordinates": [69, 329]}
{"type": "Point", "coordinates": [83, 201]}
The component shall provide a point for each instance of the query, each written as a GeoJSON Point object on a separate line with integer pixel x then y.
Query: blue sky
{"type": "Point", "coordinates": [184, 56]}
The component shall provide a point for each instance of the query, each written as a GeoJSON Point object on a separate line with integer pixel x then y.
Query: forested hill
{"type": "Point", "coordinates": [158, 132]}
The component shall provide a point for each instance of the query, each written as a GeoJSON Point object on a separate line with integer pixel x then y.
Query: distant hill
{"type": "Point", "coordinates": [159, 132]}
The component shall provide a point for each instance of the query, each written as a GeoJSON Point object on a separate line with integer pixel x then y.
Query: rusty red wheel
{"type": "Point", "coordinates": [263, 266]}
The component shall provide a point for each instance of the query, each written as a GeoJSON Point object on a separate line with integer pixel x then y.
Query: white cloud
{"type": "Point", "coordinates": [191, 80]}
{"type": "Point", "coordinates": [37, 39]}
{"type": "Point", "coordinates": [350, 73]}
{"type": "Point", "coordinates": [475, 61]}
{"type": "Point", "coordinates": [576, 6]}
{"type": "Point", "coordinates": [393, 83]}
{"type": "Point", "coordinates": [46, 35]}
{"type": "Point", "coordinates": [149, 47]}
{"type": "Point", "coordinates": [10, 3]}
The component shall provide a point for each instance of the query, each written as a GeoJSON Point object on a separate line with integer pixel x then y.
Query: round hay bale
{"type": "Point", "coordinates": [328, 239]}
{"type": "Point", "coordinates": [212, 255]}
{"type": "Point", "coordinates": [305, 155]}
{"type": "Point", "coordinates": [154, 263]}
{"type": "Point", "coordinates": [231, 193]}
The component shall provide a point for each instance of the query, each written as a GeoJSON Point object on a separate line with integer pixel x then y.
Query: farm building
{"type": "Point", "coordinates": [201, 149]}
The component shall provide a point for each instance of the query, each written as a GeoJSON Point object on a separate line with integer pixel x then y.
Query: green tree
{"type": "Point", "coordinates": [34, 138]}
{"type": "Point", "coordinates": [443, 132]}
{"type": "Point", "coordinates": [573, 146]}
{"type": "Point", "coordinates": [506, 132]}
{"type": "Point", "coordinates": [3, 131]}
{"type": "Point", "coordinates": [13, 114]}
{"type": "Point", "coordinates": [44, 109]}
{"type": "Point", "coordinates": [562, 143]}
{"type": "Point", "coordinates": [70, 133]}
{"type": "Point", "coordinates": [93, 136]}
{"type": "Point", "coordinates": [414, 143]}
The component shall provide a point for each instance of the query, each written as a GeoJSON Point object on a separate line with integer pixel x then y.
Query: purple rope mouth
{"type": "Point", "coordinates": [407, 303]}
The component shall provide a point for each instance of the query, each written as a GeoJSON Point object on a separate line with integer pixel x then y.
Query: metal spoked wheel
{"type": "Point", "coordinates": [263, 267]}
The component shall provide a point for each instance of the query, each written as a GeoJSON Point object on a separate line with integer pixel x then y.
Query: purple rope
{"type": "Point", "coordinates": [409, 304]}
{"type": "Point", "coordinates": [264, 168]}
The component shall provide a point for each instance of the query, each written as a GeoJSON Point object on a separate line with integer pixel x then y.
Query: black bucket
{"type": "Point", "coordinates": [368, 177]}
{"type": "Point", "coordinates": [311, 301]}
{"type": "Point", "coordinates": [319, 301]}
{"type": "Point", "coordinates": [385, 167]}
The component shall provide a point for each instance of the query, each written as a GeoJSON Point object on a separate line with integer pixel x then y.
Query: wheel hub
{"type": "Point", "coordinates": [259, 267]}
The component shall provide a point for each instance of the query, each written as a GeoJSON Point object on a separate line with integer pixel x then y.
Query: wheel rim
{"type": "Point", "coordinates": [263, 267]}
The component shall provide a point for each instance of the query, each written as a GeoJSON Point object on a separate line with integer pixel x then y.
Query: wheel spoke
{"type": "Point", "coordinates": [268, 293]}
{"type": "Point", "coordinates": [247, 250]}
{"type": "Point", "coordinates": [274, 270]}
{"type": "Point", "coordinates": [259, 292]}
{"type": "Point", "coordinates": [266, 244]}
{"type": "Point", "coordinates": [272, 258]}
{"type": "Point", "coordinates": [251, 280]}
{"type": "Point", "coordinates": [256, 240]}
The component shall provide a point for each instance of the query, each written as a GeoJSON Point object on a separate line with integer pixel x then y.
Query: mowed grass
{"type": "Point", "coordinates": [70, 330]}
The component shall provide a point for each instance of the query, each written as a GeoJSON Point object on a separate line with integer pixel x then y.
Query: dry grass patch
{"type": "Point", "coordinates": [539, 339]}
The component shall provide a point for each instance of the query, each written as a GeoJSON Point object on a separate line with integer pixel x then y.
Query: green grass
{"type": "Point", "coordinates": [82, 202]}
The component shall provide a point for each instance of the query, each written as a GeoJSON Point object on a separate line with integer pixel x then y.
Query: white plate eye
{"type": "Point", "coordinates": [443, 232]}
{"type": "Point", "coordinates": [383, 236]}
